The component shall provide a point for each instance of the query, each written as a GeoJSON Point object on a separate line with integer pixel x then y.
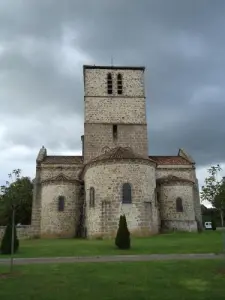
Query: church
{"type": "Point", "coordinates": [85, 195]}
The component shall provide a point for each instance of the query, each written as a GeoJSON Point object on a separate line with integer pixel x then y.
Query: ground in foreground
{"type": "Point", "coordinates": [173, 280]}
{"type": "Point", "coordinates": [206, 242]}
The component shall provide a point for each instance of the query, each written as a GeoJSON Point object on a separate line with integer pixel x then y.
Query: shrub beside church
{"type": "Point", "coordinates": [7, 240]}
{"type": "Point", "coordinates": [122, 240]}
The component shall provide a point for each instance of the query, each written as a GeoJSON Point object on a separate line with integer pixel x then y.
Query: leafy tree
{"type": "Point", "coordinates": [19, 192]}
{"type": "Point", "coordinates": [219, 202]}
{"type": "Point", "coordinates": [122, 240]}
{"type": "Point", "coordinates": [214, 190]}
{"type": "Point", "coordinates": [6, 245]}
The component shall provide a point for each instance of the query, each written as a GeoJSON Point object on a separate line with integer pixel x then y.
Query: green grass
{"type": "Point", "coordinates": [207, 242]}
{"type": "Point", "coordinates": [186, 280]}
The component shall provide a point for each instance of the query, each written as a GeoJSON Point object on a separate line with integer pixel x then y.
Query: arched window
{"type": "Point", "coordinates": [61, 203]}
{"type": "Point", "coordinates": [126, 197]}
{"type": "Point", "coordinates": [179, 205]}
{"type": "Point", "coordinates": [119, 84]}
{"type": "Point", "coordinates": [92, 197]}
{"type": "Point", "coordinates": [109, 83]}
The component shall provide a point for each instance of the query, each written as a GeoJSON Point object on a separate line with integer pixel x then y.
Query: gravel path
{"type": "Point", "coordinates": [115, 258]}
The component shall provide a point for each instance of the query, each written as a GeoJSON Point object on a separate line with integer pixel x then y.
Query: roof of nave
{"type": "Point", "coordinates": [117, 153]}
{"type": "Point", "coordinates": [170, 160]}
{"type": "Point", "coordinates": [60, 159]}
{"type": "Point", "coordinates": [120, 153]}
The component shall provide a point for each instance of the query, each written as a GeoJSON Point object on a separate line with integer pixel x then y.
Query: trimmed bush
{"type": "Point", "coordinates": [122, 240]}
{"type": "Point", "coordinates": [7, 241]}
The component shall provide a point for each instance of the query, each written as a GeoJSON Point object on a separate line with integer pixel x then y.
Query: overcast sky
{"type": "Point", "coordinates": [43, 45]}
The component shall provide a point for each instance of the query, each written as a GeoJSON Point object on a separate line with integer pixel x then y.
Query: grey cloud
{"type": "Point", "coordinates": [53, 131]}
{"type": "Point", "coordinates": [31, 84]}
{"type": "Point", "coordinates": [180, 42]}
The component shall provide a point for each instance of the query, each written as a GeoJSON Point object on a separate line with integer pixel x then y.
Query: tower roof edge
{"type": "Point", "coordinates": [142, 68]}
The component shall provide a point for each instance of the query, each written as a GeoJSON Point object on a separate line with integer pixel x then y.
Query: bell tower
{"type": "Point", "coordinates": [115, 110]}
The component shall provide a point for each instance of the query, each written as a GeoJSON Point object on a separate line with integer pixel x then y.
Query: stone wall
{"type": "Point", "coordinates": [107, 179]}
{"type": "Point", "coordinates": [179, 225]}
{"type": "Point", "coordinates": [46, 220]}
{"type": "Point", "coordinates": [99, 136]}
{"type": "Point", "coordinates": [185, 172]}
{"type": "Point", "coordinates": [50, 171]}
{"type": "Point", "coordinates": [115, 110]}
{"type": "Point", "coordinates": [23, 232]}
{"type": "Point", "coordinates": [59, 223]}
{"type": "Point", "coordinates": [181, 171]}
{"type": "Point", "coordinates": [126, 111]}
{"type": "Point", "coordinates": [170, 218]}
{"type": "Point", "coordinates": [95, 81]}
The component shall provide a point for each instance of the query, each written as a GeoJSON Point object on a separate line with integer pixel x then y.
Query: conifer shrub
{"type": "Point", "coordinates": [122, 240]}
{"type": "Point", "coordinates": [7, 240]}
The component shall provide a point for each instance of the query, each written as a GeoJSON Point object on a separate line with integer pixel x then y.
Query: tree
{"type": "Point", "coordinates": [219, 202]}
{"type": "Point", "coordinates": [21, 190]}
{"type": "Point", "coordinates": [122, 240]}
{"type": "Point", "coordinates": [214, 190]}
{"type": "Point", "coordinates": [6, 245]}
{"type": "Point", "coordinates": [12, 198]}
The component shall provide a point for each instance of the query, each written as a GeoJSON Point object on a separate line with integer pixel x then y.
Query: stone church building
{"type": "Point", "coordinates": [85, 195]}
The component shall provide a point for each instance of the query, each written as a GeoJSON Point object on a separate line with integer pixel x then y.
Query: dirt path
{"type": "Point", "coordinates": [115, 258]}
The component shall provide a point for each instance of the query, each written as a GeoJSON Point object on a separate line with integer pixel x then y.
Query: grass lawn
{"type": "Point", "coordinates": [186, 280]}
{"type": "Point", "coordinates": [207, 242]}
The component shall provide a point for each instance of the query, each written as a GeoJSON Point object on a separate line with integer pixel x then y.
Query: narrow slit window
{"type": "Point", "coordinates": [109, 84]}
{"type": "Point", "coordinates": [157, 195]}
{"type": "Point", "coordinates": [179, 205]}
{"type": "Point", "coordinates": [115, 132]}
{"type": "Point", "coordinates": [119, 84]}
{"type": "Point", "coordinates": [92, 197]}
{"type": "Point", "coordinates": [61, 203]}
{"type": "Point", "coordinates": [126, 194]}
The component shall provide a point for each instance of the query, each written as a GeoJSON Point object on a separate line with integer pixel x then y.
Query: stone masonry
{"type": "Point", "coordinates": [115, 174]}
{"type": "Point", "coordinates": [108, 177]}
{"type": "Point", "coordinates": [126, 111]}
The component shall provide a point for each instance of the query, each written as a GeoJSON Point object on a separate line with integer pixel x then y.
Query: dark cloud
{"type": "Point", "coordinates": [43, 45]}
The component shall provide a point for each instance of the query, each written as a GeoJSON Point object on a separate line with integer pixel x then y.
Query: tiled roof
{"type": "Point", "coordinates": [63, 160]}
{"type": "Point", "coordinates": [171, 178]}
{"type": "Point", "coordinates": [170, 160]}
{"type": "Point", "coordinates": [118, 153]}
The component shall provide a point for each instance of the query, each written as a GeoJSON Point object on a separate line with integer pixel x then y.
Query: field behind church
{"type": "Point", "coordinates": [206, 242]}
